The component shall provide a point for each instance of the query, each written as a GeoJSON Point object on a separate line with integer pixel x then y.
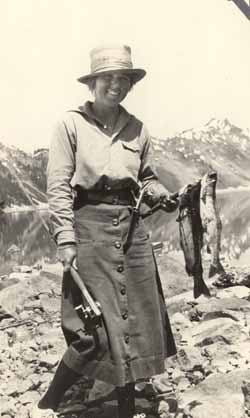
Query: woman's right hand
{"type": "Point", "coordinates": [67, 254]}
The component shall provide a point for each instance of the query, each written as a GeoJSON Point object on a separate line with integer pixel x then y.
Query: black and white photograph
{"type": "Point", "coordinates": [124, 209]}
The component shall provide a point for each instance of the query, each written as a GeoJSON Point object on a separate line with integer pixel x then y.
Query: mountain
{"type": "Point", "coordinates": [220, 145]}
{"type": "Point", "coordinates": [19, 169]}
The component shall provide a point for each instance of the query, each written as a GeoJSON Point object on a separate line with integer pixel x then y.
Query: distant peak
{"type": "Point", "coordinates": [218, 123]}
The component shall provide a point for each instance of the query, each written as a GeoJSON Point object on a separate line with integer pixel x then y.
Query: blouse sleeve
{"type": "Point", "coordinates": [154, 190]}
{"type": "Point", "coordinates": [60, 170]}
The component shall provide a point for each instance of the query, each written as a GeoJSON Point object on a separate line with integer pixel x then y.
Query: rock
{"type": "Point", "coordinates": [18, 276]}
{"type": "Point", "coordinates": [30, 305]}
{"type": "Point", "coordinates": [25, 385]}
{"type": "Point", "coordinates": [100, 390]}
{"type": "Point", "coordinates": [4, 341]}
{"type": "Point", "coordinates": [35, 379]}
{"type": "Point", "coordinates": [179, 321]}
{"type": "Point", "coordinates": [50, 304]}
{"type": "Point", "coordinates": [235, 315]}
{"type": "Point", "coordinates": [221, 365]}
{"type": "Point", "coordinates": [46, 378]}
{"type": "Point", "coordinates": [24, 315]}
{"type": "Point", "coordinates": [163, 409]}
{"type": "Point", "coordinates": [190, 358]}
{"type": "Point", "coordinates": [246, 393]}
{"type": "Point", "coordinates": [183, 384]}
{"type": "Point", "coordinates": [7, 406]}
{"type": "Point", "coordinates": [53, 339]}
{"type": "Point", "coordinates": [22, 334]}
{"type": "Point", "coordinates": [183, 300]}
{"type": "Point", "coordinates": [48, 360]}
{"type": "Point", "coordinates": [162, 384]}
{"type": "Point", "coordinates": [222, 305]}
{"type": "Point", "coordinates": [235, 291]}
{"type": "Point", "coordinates": [29, 356]}
{"type": "Point", "coordinates": [29, 397]}
{"type": "Point", "coordinates": [177, 375]}
{"type": "Point", "coordinates": [218, 396]}
{"type": "Point", "coordinates": [7, 322]}
{"type": "Point", "coordinates": [196, 377]}
{"type": "Point", "coordinates": [22, 269]}
{"type": "Point", "coordinates": [23, 411]}
{"type": "Point", "coordinates": [208, 332]}
{"type": "Point", "coordinates": [225, 357]}
{"type": "Point", "coordinates": [11, 389]}
{"type": "Point", "coordinates": [16, 295]}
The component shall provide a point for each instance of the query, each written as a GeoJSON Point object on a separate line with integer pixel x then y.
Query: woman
{"type": "Point", "coordinates": [100, 157]}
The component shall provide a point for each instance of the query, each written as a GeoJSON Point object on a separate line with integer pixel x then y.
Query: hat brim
{"type": "Point", "coordinates": [136, 74]}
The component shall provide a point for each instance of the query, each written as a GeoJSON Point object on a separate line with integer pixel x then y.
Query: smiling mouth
{"type": "Point", "coordinates": [113, 93]}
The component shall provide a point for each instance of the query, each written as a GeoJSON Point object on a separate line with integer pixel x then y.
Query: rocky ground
{"type": "Point", "coordinates": [209, 377]}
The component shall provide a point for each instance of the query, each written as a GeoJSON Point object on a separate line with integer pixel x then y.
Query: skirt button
{"type": "Point", "coordinates": [125, 315]}
{"type": "Point", "coordinates": [120, 268]}
{"type": "Point", "coordinates": [123, 291]}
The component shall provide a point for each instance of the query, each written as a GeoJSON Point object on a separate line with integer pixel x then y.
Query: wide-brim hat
{"type": "Point", "coordinates": [107, 59]}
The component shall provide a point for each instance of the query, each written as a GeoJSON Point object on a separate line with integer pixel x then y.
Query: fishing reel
{"type": "Point", "coordinates": [91, 319]}
{"type": "Point", "coordinates": [89, 310]}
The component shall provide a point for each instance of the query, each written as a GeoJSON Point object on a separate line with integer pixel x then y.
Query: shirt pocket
{"type": "Point", "coordinates": [131, 156]}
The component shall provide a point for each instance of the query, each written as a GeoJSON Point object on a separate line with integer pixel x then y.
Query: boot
{"type": "Point", "coordinates": [63, 379]}
{"type": "Point", "coordinates": [126, 401]}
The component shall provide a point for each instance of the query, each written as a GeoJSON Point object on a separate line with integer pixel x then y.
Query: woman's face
{"type": "Point", "coordinates": [110, 89]}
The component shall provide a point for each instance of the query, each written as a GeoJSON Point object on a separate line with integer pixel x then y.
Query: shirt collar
{"type": "Point", "coordinates": [123, 118]}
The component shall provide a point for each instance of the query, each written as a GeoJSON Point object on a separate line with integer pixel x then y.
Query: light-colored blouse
{"type": "Point", "coordinates": [83, 154]}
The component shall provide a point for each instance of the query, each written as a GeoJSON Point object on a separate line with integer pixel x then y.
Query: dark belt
{"type": "Point", "coordinates": [112, 197]}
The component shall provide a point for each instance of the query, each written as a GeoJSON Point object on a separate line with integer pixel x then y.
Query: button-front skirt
{"type": "Point", "coordinates": [135, 337]}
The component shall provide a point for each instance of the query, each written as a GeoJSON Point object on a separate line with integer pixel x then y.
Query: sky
{"type": "Point", "coordinates": [196, 54]}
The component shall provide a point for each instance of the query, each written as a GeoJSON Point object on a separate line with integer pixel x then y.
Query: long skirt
{"type": "Point", "coordinates": [135, 336]}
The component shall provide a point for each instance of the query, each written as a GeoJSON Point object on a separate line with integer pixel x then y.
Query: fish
{"type": "Point", "coordinates": [211, 221]}
{"type": "Point", "coordinates": [191, 236]}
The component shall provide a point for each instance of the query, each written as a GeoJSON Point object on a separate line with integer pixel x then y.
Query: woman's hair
{"type": "Point", "coordinates": [91, 83]}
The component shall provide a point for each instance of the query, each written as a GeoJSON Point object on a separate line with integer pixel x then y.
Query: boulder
{"type": "Point", "coordinates": [190, 358]}
{"type": "Point", "coordinates": [208, 332]}
{"type": "Point", "coordinates": [22, 269]}
{"type": "Point", "coordinates": [225, 358]}
{"type": "Point", "coordinates": [235, 291]}
{"type": "Point", "coordinates": [223, 305]}
{"type": "Point", "coordinates": [30, 397]}
{"type": "Point", "coordinates": [19, 276]}
{"type": "Point", "coordinates": [16, 295]}
{"type": "Point", "coordinates": [218, 396]}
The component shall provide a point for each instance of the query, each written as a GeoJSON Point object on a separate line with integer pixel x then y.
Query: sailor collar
{"type": "Point", "coordinates": [123, 117]}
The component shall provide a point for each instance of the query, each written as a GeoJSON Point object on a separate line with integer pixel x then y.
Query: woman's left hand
{"type": "Point", "coordinates": [157, 193]}
{"type": "Point", "coordinates": [168, 204]}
